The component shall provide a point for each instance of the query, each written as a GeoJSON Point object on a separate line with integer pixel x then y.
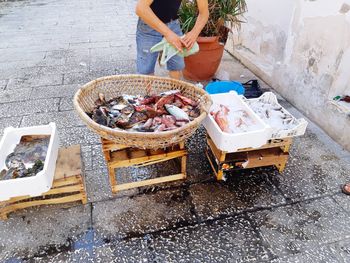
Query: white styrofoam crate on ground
{"type": "Point", "coordinates": [42, 181]}
{"type": "Point", "coordinates": [298, 126]}
{"type": "Point", "coordinates": [231, 142]}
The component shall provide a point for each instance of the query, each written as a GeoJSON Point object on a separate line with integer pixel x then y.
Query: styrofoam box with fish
{"type": "Point", "coordinates": [42, 181]}
{"type": "Point", "coordinates": [283, 123]}
{"type": "Point", "coordinates": [256, 135]}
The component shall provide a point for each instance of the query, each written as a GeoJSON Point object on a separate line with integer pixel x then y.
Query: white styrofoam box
{"type": "Point", "coordinates": [231, 142]}
{"type": "Point", "coordinates": [298, 125]}
{"type": "Point", "coordinates": [42, 181]}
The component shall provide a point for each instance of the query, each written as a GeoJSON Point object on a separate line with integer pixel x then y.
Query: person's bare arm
{"type": "Point", "coordinates": [202, 19]}
{"type": "Point", "coordinates": [144, 11]}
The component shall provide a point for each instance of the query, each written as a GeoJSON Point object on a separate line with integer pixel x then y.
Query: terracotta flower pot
{"type": "Point", "coordinates": [203, 65]}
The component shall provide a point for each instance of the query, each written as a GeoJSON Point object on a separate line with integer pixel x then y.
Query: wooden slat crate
{"type": "Point", "coordinates": [68, 185]}
{"type": "Point", "coordinates": [118, 156]}
{"type": "Point", "coordinates": [274, 153]}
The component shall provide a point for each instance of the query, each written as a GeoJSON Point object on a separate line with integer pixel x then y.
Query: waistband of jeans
{"type": "Point", "coordinates": [172, 21]}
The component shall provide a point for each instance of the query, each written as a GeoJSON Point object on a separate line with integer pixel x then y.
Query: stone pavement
{"type": "Point", "coordinates": [47, 50]}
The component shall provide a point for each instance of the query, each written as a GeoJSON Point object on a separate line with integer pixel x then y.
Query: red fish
{"type": "Point", "coordinates": [148, 100]}
{"type": "Point", "coordinates": [186, 100]}
{"type": "Point", "coordinates": [169, 99]}
{"type": "Point", "coordinates": [221, 118]}
{"type": "Point", "coordinates": [151, 112]}
{"type": "Point", "coordinates": [169, 121]}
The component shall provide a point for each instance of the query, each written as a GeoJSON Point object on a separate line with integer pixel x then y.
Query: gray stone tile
{"type": "Point", "coordinates": [130, 216]}
{"type": "Point", "coordinates": [65, 68]}
{"type": "Point", "coordinates": [316, 255]}
{"type": "Point", "coordinates": [11, 56]}
{"type": "Point", "coordinates": [28, 231]}
{"type": "Point", "coordinates": [123, 251]}
{"type": "Point", "coordinates": [64, 119]}
{"type": "Point", "coordinates": [341, 248]}
{"type": "Point", "coordinates": [83, 78]}
{"type": "Point", "coordinates": [35, 81]}
{"type": "Point", "coordinates": [15, 95]}
{"type": "Point", "coordinates": [98, 158]}
{"type": "Point", "coordinates": [301, 227]}
{"type": "Point", "coordinates": [97, 185]}
{"type": "Point", "coordinates": [3, 83]}
{"type": "Point", "coordinates": [78, 56]}
{"type": "Point", "coordinates": [66, 103]}
{"type": "Point", "coordinates": [229, 240]}
{"type": "Point", "coordinates": [198, 167]}
{"type": "Point", "coordinates": [56, 57]}
{"type": "Point", "coordinates": [77, 135]}
{"type": "Point", "coordinates": [312, 170]}
{"type": "Point", "coordinates": [86, 155]}
{"type": "Point", "coordinates": [55, 91]}
{"type": "Point", "coordinates": [28, 107]}
{"type": "Point", "coordinates": [102, 73]}
{"type": "Point", "coordinates": [241, 192]}
{"type": "Point", "coordinates": [21, 72]}
{"type": "Point", "coordinates": [77, 78]}
{"type": "Point", "coordinates": [125, 67]}
{"type": "Point", "coordinates": [7, 122]}
{"type": "Point", "coordinates": [343, 201]}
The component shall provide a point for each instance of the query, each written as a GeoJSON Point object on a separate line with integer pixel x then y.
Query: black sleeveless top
{"type": "Point", "coordinates": [166, 10]}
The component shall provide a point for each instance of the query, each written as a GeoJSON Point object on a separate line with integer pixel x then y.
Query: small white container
{"type": "Point", "coordinates": [231, 142]}
{"type": "Point", "coordinates": [42, 181]}
{"type": "Point", "coordinates": [298, 126]}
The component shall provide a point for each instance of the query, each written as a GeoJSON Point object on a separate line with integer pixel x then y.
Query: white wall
{"type": "Point", "coordinates": [302, 49]}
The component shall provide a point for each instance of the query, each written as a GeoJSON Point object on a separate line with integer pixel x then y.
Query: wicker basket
{"type": "Point", "coordinates": [113, 86]}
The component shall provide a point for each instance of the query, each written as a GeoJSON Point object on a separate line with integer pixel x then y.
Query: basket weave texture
{"type": "Point", "coordinates": [114, 86]}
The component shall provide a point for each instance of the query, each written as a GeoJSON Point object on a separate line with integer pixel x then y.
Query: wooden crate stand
{"type": "Point", "coordinates": [274, 153]}
{"type": "Point", "coordinates": [118, 156]}
{"type": "Point", "coordinates": [68, 185]}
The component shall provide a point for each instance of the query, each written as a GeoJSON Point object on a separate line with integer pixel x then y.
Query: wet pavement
{"type": "Point", "coordinates": [47, 50]}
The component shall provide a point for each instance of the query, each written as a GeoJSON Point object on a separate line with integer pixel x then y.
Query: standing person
{"type": "Point", "coordinates": [158, 19]}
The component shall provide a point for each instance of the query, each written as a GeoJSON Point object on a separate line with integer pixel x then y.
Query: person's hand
{"type": "Point", "coordinates": [174, 40]}
{"type": "Point", "coordinates": [189, 39]}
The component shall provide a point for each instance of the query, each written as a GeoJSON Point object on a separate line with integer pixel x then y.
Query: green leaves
{"type": "Point", "coordinates": [222, 13]}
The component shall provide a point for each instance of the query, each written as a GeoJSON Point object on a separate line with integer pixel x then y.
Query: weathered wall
{"type": "Point", "coordinates": [302, 49]}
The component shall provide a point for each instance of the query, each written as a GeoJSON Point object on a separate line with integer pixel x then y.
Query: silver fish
{"type": "Point", "coordinates": [178, 113]}
{"type": "Point", "coordinates": [170, 92]}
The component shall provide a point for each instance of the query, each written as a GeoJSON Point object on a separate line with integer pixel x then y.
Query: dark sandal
{"type": "Point", "coordinates": [344, 189]}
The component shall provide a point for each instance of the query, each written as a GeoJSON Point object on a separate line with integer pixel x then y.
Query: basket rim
{"type": "Point", "coordinates": [116, 132]}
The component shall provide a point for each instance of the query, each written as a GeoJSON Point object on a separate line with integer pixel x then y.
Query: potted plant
{"type": "Point", "coordinates": [223, 16]}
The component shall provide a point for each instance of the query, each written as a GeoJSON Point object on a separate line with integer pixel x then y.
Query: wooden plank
{"type": "Point", "coordinates": [149, 182]}
{"type": "Point", "coordinates": [184, 165]}
{"type": "Point", "coordinates": [66, 181]}
{"type": "Point", "coordinates": [118, 160]}
{"type": "Point", "coordinates": [3, 217]}
{"type": "Point", "coordinates": [66, 189]}
{"type": "Point", "coordinates": [112, 177]}
{"type": "Point", "coordinates": [220, 175]}
{"type": "Point", "coordinates": [108, 145]}
{"type": "Point", "coordinates": [68, 162]}
{"type": "Point", "coordinates": [211, 163]}
{"type": "Point", "coordinates": [266, 157]}
{"type": "Point", "coordinates": [214, 149]}
{"type": "Point", "coordinates": [49, 201]}
{"type": "Point", "coordinates": [159, 160]}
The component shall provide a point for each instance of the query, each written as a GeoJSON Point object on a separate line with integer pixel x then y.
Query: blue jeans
{"type": "Point", "coordinates": [146, 37]}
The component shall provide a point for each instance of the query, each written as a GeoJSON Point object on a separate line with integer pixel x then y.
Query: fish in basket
{"type": "Point", "coordinates": [142, 111]}
{"type": "Point", "coordinates": [151, 113]}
